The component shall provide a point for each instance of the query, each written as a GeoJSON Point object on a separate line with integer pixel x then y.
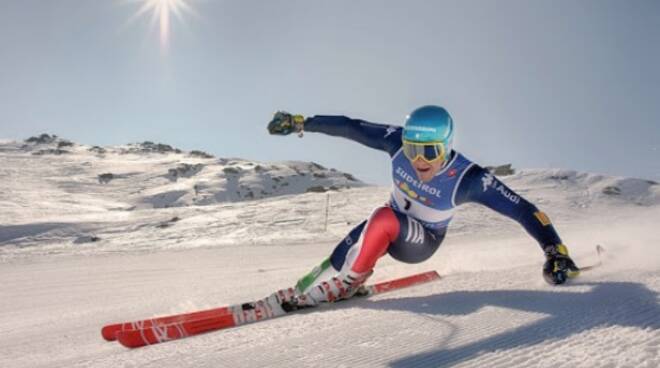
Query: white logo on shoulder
{"type": "Point", "coordinates": [488, 181]}
{"type": "Point", "coordinates": [389, 131]}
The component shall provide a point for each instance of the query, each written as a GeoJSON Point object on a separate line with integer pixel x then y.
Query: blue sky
{"type": "Point", "coordinates": [568, 84]}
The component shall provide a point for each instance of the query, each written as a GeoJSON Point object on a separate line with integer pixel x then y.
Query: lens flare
{"type": "Point", "coordinates": [161, 14]}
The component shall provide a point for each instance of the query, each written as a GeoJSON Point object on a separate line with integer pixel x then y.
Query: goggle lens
{"type": "Point", "coordinates": [429, 152]}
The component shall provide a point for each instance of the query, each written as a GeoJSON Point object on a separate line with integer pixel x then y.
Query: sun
{"type": "Point", "coordinates": [161, 14]}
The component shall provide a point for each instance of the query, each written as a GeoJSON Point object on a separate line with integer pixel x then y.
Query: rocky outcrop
{"type": "Point", "coordinates": [151, 147]}
{"type": "Point", "coordinates": [200, 154]}
{"type": "Point", "coordinates": [502, 170]}
{"type": "Point", "coordinates": [42, 139]}
{"type": "Point", "coordinates": [184, 171]}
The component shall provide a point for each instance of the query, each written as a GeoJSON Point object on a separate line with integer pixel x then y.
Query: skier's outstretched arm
{"type": "Point", "coordinates": [480, 186]}
{"type": "Point", "coordinates": [379, 136]}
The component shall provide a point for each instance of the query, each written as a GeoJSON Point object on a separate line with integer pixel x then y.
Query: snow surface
{"type": "Point", "coordinates": [76, 253]}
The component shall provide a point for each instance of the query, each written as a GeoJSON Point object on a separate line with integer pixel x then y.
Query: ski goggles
{"type": "Point", "coordinates": [429, 152]}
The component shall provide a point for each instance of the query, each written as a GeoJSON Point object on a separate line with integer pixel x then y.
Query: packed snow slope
{"type": "Point", "coordinates": [162, 234]}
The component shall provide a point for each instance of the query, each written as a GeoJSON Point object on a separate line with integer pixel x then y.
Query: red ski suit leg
{"type": "Point", "coordinates": [381, 230]}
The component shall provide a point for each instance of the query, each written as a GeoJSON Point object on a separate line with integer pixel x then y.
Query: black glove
{"type": "Point", "coordinates": [558, 266]}
{"type": "Point", "coordinates": [284, 123]}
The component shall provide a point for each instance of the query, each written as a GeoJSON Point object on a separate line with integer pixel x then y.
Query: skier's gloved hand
{"type": "Point", "coordinates": [284, 123]}
{"type": "Point", "coordinates": [558, 266]}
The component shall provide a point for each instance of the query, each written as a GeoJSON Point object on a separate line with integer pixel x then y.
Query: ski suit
{"type": "Point", "coordinates": [413, 224]}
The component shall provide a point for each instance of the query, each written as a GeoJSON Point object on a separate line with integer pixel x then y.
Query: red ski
{"type": "Point", "coordinates": [153, 331]}
{"type": "Point", "coordinates": [109, 332]}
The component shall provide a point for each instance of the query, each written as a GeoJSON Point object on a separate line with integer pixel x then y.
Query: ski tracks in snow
{"type": "Point", "coordinates": [464, 320]}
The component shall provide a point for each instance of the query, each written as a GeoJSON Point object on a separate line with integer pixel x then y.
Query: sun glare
{"type": "Point", "coordinates": [161, 13]}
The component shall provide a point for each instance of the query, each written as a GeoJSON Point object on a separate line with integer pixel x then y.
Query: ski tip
{"type": "Point", "coordinates": [128, 340]}
{"type": "Point", "coordinates": [429, 275]}
{"type": "Point", "coordinates": [425, 276]}
{"type": "Point", "coordinates": [109, 332]}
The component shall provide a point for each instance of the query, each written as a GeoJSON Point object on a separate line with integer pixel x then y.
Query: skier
{"type": "Point", "coordinates": [430, 181]}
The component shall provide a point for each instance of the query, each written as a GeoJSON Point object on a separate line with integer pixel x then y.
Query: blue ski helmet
{"type": "Point", "coordinates": [429, 124]}
{"type": "Point", "coordinates": [429, 132]}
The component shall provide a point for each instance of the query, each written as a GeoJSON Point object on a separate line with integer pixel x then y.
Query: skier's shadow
{"type": "Point", "coordinates": [568, 312]}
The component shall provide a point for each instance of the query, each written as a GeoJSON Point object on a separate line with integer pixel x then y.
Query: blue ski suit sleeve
{"type": "Point", "coordinates": [480, 186]}
{"type": "Point", "coordinates": [381, 137]}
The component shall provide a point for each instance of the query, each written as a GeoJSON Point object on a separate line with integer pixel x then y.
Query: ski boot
{"type": "Point", "coordinates": [340, 287]}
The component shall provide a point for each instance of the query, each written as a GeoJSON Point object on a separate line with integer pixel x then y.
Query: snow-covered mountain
{"type": "Point", "coordinates": [154, 175]}
{"type": "Point", "coordinates": [56, 194]}
{"type": "Point", "coordinates": [92, 235]}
